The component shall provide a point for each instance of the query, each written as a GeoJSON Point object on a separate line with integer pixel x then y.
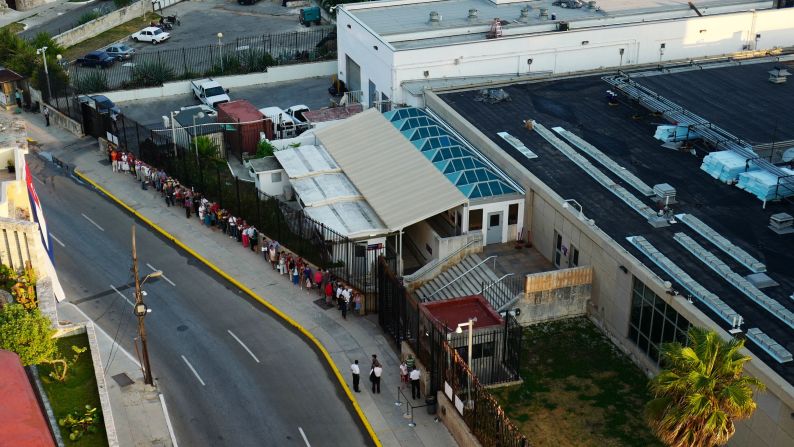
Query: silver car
{"type": "Point", "coordinates": [120, 52]}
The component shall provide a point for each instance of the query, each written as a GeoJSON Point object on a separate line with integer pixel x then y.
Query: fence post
{"type": "Point", "coordinates": [184, 61]}
{"type": "Point", "coordinates": [220, 187]}
{"type": "Point", "coordinates": [237, 188]}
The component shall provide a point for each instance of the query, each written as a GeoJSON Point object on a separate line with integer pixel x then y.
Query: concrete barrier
{"type": "Point", "coordinates": [273, 74]}
{"type": "Point", "coordinates": [64, 122]}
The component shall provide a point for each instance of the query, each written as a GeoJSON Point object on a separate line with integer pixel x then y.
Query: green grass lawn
{"type": "Point", "coordinates": [578, 390]}
{"type": "Point", "coordinates": [78, 390]}
{"type": "Point", "coordinates": [112, 35]}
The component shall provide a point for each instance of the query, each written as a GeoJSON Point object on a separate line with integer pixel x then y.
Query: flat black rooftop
{"type": "Point", "coordinates": [625, 133]}
{"type": "Point", "coordinates": [740, 99]}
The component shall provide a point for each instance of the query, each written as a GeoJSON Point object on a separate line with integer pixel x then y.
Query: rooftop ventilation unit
{"type": "Point", "coordinates": [778, 75]}
{"type": "Point", "coordinates": [665, 194]}
{"type": "Point", "coordinates": [524, 17]}
{"type": "Point", "coordinates": [544, 13]}
{"type": "Point", "coordinates": [473, 15]}
{"type": "Point", "coordinates": [591, 5]}
{"type": "Point", "coordinates": [781, 223]}
{"type": "Point", "coordinates": [435, 17]}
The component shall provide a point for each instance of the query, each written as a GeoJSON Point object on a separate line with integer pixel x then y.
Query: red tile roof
{"type": "Point", "coordinates": [459, 310]}
{"type": "Point", "coordinates": [21, 419]}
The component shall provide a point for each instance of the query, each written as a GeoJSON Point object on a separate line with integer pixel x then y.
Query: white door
{"type": "Point", "coordinates": [493, 233]}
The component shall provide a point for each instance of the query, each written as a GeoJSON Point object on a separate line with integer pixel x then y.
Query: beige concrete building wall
{"type": "Point", "coordinates": [610, 305]}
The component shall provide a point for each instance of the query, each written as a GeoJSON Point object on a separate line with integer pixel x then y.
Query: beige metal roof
{"type": "Point", "coordinates": [400, 184]}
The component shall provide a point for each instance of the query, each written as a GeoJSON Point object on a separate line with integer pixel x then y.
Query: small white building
{"type": "Point", "coordinates": [390, 50]}
{"type": "Point", "coordinates": [268, 175]}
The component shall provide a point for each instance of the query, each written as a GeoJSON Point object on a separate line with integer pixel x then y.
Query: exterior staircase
{"type": "Point", "coordinates": [463, 279]}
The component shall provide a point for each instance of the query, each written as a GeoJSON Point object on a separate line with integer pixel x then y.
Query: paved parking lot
{"type": "Point", "coordinates": [312, 92]}
{"type": "Point", "coordinates": [202, 21]}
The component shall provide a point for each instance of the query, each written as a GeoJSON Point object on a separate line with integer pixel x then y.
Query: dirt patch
{"type": "Point", "coordinates": [578, 390]}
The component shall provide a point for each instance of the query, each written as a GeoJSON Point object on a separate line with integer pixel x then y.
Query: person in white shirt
{"type": "Point", "coordinates": [377, 370]}
{"type": "Point", "coordinates": [356, 375]}
{"type": "Point", "coordinates": [415, 376]}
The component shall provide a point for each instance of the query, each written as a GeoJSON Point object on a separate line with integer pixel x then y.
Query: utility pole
{"type": "Point", "coordinates": [141, 310]}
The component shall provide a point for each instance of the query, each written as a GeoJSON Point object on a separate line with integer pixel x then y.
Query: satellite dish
{"type": "Point", "coordinates": [788, 156]}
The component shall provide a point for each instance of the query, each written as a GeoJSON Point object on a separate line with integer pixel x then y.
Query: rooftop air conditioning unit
{"type": "Point", "coordinates": [781, 223]}
{"type": "Point", "coordinates": [665, 194]}
{"type": "Point", "coordinates": [473, 15]}
{"type": "Point", "coordinates": [544, 13]}
{"type": "Point", "coordinates": [435, 17]}
{"type": "Point", "coordinates": [524, 16]}
{"type": "Point", "coordinates": [778, 75]}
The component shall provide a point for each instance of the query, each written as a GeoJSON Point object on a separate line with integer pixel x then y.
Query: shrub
{"type": "Point", "coordinates": [87, 17]}
{"type": "Point", "coordinates": [27, 333]}
{"type": "Point", "coordinates": [152, 74]}
{"type": "Point", "coordinates": [79, 422]}
{"type": "Point", "coordinates": [241, 62]}
{"type": "Point", "coordinates": [264, 149]}
{"type": "Point", "coordinates": [91, 81]}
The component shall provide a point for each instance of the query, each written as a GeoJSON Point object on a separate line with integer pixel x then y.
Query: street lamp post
{"type": "Point", "coordinates": [220, 49]}
{"type": "Point", "coordinates": [141, 310]}
{"type": "Point", "coordinates": [459, 330]}
{"type": "Point", "coordinates": [195, 134]}
{"type": "Point", "coordinates": [43, 52]}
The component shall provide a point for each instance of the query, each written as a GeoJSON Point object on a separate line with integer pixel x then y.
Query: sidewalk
{"type": "Point", "coordinates": [139, 411]}
{"type": "Point", "coordinates": [345, 340]}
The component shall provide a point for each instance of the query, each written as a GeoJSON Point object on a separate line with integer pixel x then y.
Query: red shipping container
{"type": "Point", "coordinates": [245, 124]}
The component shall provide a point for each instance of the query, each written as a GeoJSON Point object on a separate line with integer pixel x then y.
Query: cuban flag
{"type": "Point", "coordinates": [38, 217]}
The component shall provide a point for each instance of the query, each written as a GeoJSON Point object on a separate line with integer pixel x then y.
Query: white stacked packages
{"type": "Point", "coordinates": [724, 165]}
{"type": "Point", "coordinates": [763, 184]}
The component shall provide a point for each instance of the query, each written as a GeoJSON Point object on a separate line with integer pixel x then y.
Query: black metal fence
{"type": "Point", "coordinates": [240, 56]}
{"type": "Point", "coordinates": [503, 292]}
{"type": "Point", "coordinates": [496, 358]}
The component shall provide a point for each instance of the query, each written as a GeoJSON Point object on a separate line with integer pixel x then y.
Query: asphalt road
{"type": "Point", "coordinates": [233, 374]}
{"type": "Point", "coordinates": [68, 20]}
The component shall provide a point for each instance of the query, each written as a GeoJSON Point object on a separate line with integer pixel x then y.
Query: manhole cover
{"type": "Point", "coordinates": [181, 328]}
{"type": "Point", "coordinates": [123, 380]}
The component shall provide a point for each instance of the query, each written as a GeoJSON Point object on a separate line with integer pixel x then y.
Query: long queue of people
{"type": "Point", "coordinates": [297, 270]}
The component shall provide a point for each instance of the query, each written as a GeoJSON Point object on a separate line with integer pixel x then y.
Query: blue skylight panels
{"type": "Point", "coordinates": [471, 175]}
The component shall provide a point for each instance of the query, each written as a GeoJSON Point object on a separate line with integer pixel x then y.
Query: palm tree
{"type": "Point", "coordinates": [701, 392]}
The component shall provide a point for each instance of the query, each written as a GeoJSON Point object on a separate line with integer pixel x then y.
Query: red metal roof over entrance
{"type": "Point", "coordinates": [22, 421]}
{"type": "Point", "coordinates": [459, 310]}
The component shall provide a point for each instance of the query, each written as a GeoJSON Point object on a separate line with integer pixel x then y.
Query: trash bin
{"type": "Point", "coordinates": [430, 401]}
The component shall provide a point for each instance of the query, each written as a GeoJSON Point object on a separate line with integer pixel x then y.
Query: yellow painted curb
{"type": "Point", "coordinates": [253, 295]}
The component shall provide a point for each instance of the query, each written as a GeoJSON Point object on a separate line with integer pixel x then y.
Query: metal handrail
{"type": "Point", "coordinates": [436, 262]}
{"type": "Point", "coordinates": [463, 274]}
{"type": "Point", "coordinates": [495, 282]}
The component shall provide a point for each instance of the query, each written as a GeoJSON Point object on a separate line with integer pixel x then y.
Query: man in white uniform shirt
{"type": "Point", "coordinates": [415, 375]}
{"type": "Point", "coordinates": [356, 375]}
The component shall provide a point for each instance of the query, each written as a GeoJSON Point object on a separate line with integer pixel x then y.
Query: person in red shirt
{"type": "Point", "coordinates": [329, 291]}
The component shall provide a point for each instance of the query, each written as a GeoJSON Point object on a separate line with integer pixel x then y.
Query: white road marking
{"type": "Point", "coordinates": [122, 295]}
{"type": "Point", "coordinates": [243, 345]}
{"type": "Point", "coordinates": [168, 421]}
{"type": "Point", "coordinates": [194, 371]}
{"type": "Point", "coordinates": [305, 439]}
{"type": "Point", "coordinates": [95, 224]}
{"type": "Point", "coordinates": [162, 276]}
{"type": "Point", "coordinates": [36, 179]}
{"type": "Point", "coordinates": [57, 240]}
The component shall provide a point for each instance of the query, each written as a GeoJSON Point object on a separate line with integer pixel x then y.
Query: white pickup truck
{"type": "Point", "coordinates": [209, 92]}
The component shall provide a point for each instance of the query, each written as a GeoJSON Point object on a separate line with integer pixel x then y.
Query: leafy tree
{"type": "Point", "coordinates": [701, 391]}
{"type": "Point", "coordinates": [206, 147]}
{"type": "Point", "coordinates": [264, 149]}
{"type": "Point", "coordinates": [28, 333]}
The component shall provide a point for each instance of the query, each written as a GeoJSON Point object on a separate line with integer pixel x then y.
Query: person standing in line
{"type": "Point", "coordinates": [377, 371]}
{"type": "Point", "coordinates": [295, 276]}
{"type": "Point", "coordinates": [318, 281]}
{"type": "Point", "coordinates": [345, 303]}
{"type": "Point", "coordinates": [188, 206]}
{"type": "Point", "coordinates": [46, 113]}
{"type": "Point", "coordinates": [354, 368]}
{"type": "Point", "coordinates": [410, 362]}
{"type": "Point", "coordinates": [18, 97]}
{"type": "Point", "coordinates": [329, 291]}
{"type": "Point", "coordinates": [415, 376]}
{"type": "Point", "coordinates": [114, 160]}
{"type": "Point", "coordinates": [403, 375]}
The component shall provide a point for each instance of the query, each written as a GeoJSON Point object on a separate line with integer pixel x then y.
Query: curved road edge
{"type": "Point", "coordinates": [306, 333]}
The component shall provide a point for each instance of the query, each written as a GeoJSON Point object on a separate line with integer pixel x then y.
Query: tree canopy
{"type": "Point", "coordinates": [27, 333]}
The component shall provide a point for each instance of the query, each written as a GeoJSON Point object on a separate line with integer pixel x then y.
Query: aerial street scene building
{"type": "Point", "coordinates": [397, 223]}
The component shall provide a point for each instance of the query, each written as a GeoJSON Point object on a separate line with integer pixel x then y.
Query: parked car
{"type": "Point", "coordinates": [97, 59]}
{"type": "Point", "coordinates": [102, 104]}
{"type": "Point", "coordinates": [151, 34]}
{"type": "Point", "coordinates": [572, 4]}
{"type": "Point", "coordinates": [120, 52]}
{"type": "Point", "coordinates": [209, 92]}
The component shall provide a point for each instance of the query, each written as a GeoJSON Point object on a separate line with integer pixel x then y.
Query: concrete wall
{"type": "Point", "coordinates": [102, 24]}
{"type": "Point", "coordinates": [508, 233]}
{"type": "Point", "coordinates": [555, 295]}
{"type": "Point", "coordinates": [425, 238]}
{"type": "Point", "coordinates": [610, 304]}
{"type": "Point", "coordinates": [564, 52]}
{"type": "Point", "coordinates": [24, 5]}
{"type": "Point", "coordinates": [273, 74]}
{"type": "Point", "coordinates": [64, 122]}
{"type": "Point", "coordinates": [18, 242]}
